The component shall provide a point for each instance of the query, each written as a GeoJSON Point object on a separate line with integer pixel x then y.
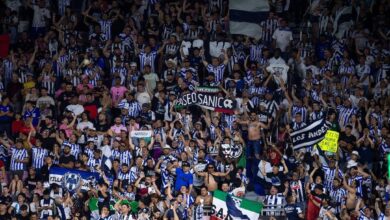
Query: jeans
{"type": "Point", "coordinates": [253, 147]}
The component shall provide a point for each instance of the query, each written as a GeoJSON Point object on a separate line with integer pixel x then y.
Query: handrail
{"type": "Point", "coordinates": [207, 210]}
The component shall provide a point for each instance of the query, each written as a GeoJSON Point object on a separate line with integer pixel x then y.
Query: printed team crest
{"type": "Point", "coordinates": [231, 151]}
{"type": "Point", "coordinates": [71, 181]}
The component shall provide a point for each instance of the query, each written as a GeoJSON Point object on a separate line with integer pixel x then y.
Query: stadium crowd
{"type": "Point", "coordinates": [82, 77]}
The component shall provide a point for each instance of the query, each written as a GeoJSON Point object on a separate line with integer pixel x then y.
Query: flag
{"type": "Point", "coordinates": [245, 16]}
{"type": "Point", "coordinates": [343, 21]}
{"type": "Point", "coordinates": [227, 206]}
{"type": "Point", "coordinates": [106, 162]}
{"type": "Point", "coordinates": [72, 179]}
{"type": "Point", "coordinates": [309, 135]}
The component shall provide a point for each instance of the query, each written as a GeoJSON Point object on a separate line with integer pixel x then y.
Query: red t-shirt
{"type": "Point", "coordinates": [312, 210]}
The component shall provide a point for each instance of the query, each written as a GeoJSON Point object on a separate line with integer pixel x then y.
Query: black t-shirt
{"type": "Point", "coordinates": [48, 143]}
{"type": "Point", "coordinates": [31, 182]}
{"type": "Point", "coordinates": [21, 217]}
{"type": "Point", "coordinates": [6, 216]}
{"type": "Point", "coordinates": [103, 201]}
{"type": "Point", "coordinates": [292, 211]}
{"type": "Point", "coordinates": [67, 159]}
{"type": "Point", "coordinates": [351, 139]}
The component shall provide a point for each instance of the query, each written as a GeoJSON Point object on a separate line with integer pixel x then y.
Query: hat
{"type": "Point", "coordinates": [133, 64]}
{"type": "Point", "coordinates": [356, 153]}
{"type": "Point", "coordinates": [185, 164]}
{"type": "Point", "coordinates": [86, 62]}
{"type": "Point", "coordinates": [172, 61]}
{"type": "Point", "coordinates": [3, 202]}
{"type": "Point", "coordinates": [172, 93]}
{"type": "Point", "coordinates": [166, 147]}
{"type": "Point", "coordinates": [351, 163]}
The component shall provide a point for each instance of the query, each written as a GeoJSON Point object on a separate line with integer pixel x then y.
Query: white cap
{"type": "Point", "coordinates": [86, 62]}
{"type": "Point", "coordinates": [356, 153]}
{"type": "Point", "coordinates": [166, 147]}
{"type": "Point", "coordinates": [351, 163]}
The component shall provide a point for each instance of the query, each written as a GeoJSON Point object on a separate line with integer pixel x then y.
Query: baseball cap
{"type": "Point", "coordinates": [356, 153]}
{"type": "Point", "coordinates": [185, 164]}
{"type": "Point", "coordinates": [167, 147]}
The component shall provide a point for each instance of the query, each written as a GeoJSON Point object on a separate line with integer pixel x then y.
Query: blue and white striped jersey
{"type": "Point", "coordinates": [18, 154]}
{"type": "Point", "coordinates": [38, 157]}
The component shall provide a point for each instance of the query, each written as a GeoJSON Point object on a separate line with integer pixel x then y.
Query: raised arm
{"type": "Point", "coordinates": [132, 146]}
{"type": "Point", "coordinates": [226, 57]}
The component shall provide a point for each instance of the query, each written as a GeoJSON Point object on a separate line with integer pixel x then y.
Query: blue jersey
{"type": "Point", "coordinates": [5, 109]}
{"type": "Point", "coordinates": [35, 114]}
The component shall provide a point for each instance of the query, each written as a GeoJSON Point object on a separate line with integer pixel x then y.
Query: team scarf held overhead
{"type": "Point", "coordinates": [207, 97]}
{"type": "Point", "coordinates": [309, 135]}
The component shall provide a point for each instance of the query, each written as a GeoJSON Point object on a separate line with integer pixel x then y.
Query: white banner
{"type": "Point", "coordinates": [141, 134]}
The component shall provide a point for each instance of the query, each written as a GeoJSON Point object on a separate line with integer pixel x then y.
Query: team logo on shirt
{"type": "Point", "coordinates": [71, 181]}
{"type": "Point", "coordinates": [231, 151]}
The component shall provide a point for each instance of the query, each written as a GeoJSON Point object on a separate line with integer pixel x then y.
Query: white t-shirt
{"type": "Point", "coordinates": [143, 97]}
{"type": "Point", "coordinates": [40, 14]}
{"type": "Point", "coordinates": [283, 37]}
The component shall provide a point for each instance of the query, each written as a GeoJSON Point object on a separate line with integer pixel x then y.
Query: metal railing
{"type": "Point", "coordinates": [268, 210]}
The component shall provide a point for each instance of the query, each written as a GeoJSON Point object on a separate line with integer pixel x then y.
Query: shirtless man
{"type": "Point", "coordinates": [210, 174]}
{"type": "Point", "coordinates": [254, 135]}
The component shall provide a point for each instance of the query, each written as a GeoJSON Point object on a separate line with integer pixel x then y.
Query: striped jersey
{"type": "Point", "coordinates": [272, 107]}
{"type": "Point", "coordinates": [92, 162]}
{"type": "Point", "coordinates": [105, 26]}
{"type": "Point", "coordinates": [74, 148]}
{"type": "Point", "coordinates": [299, 109]}
{"type": "Point", "coordinates": [124, 178]}
{"type": "Point", "coordinates": [18, 154]}
{"type": "Point", "coordinates": [8, 67]}
{"type": "Point", "coordinates": [359, 186]}
{"type": "Point", "coordinates": [345, 114]}
{"type": "Point", "coordinates": [125, 157]}
{"type": "Point", "coordinates": [275, 202]}
{"type": "Point", "coordinates": [268, 28]}
{"type": "Point", "coordinates": [338, 197]}
{"type": "Point", "coordinates": [74, 75]}
{"type": "Point", "coordinates": [255, 52]}
{"type": "Point", "coordinates": [147, 59]}
{"type": "Point", "coordinates": [329, 175]}
{"type": "Point", "coordinates": [217, 70]}
{"type": "Point", "coordinates": [38, 157]}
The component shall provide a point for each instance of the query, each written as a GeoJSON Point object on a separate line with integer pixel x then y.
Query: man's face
{"type": "Point", "coordinates": [125, 169]}
{"type": "Point", "coordinates": [253, 117]}
{"type": "Point", "coordinates": [125, 209]}
{"type": "Point", "coordinates": [66, 150]}
{"type": "Point", "coordinates": [298, 118]}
